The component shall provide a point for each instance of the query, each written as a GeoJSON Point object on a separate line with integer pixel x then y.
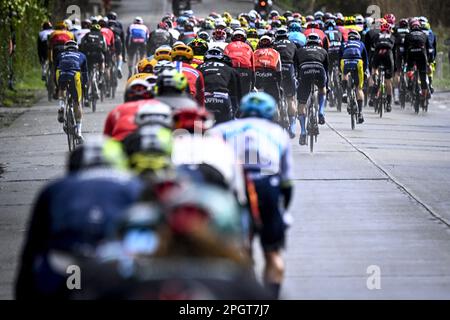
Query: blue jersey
{"type": "Point", "coordinates": [355, 50]}
{"type": "Point", "coordinates": [71, 62]}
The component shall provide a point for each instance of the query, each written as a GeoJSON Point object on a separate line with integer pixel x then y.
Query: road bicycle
{"type": "Point", "coordinates": [336, 90]}
{"type": "Point", "coordinates": [380, 102]}
{"type": "Point", "coordinates": [69, 125]}
{"type": "Point", "coordinates": [352, 100]}
{"type": "Point", "coordinates": [312, 109]}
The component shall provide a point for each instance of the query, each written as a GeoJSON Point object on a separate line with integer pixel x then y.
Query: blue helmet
{"type": "Point", "coordinates": [258, 104]}
{"type": "Point", "coordinates": [298, 38]}
{"type": "Point", "coordinates": [295, 27]}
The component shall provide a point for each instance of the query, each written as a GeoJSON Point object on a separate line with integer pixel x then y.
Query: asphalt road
{"type": "Point", "coordinates": [377, 196]}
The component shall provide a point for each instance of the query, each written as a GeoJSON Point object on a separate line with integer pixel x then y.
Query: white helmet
{"type": "Point", "coordinates": [138, 20]}
{"type": "Point", "coordinates": [154, 112]}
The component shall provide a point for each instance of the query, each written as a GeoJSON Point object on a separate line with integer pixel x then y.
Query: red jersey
{"type": "Point", "coordinates": [344, 32]}
{"type": "Point", "coordinates": [267, 58]}
{"type": "Point", "coordinates": [195, 80]}
{"type": "Point", "coordinates": [120, 121]}
{"type": "Point", "coordinates": [321, 34]}
{"type": "Point", "coordinates": [241, 54]}
{"type": "Point", "coordinates": [109, 36]}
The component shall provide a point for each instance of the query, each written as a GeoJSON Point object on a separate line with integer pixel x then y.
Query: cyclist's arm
{"type": "Point", "coordinates": [365, 57]}
{"type": "Point", "coordinates": [286, 175]}
{"type": "Point", "coordinates": [200, 95]}
{"type": "Point", "coordinates": [84, 70]}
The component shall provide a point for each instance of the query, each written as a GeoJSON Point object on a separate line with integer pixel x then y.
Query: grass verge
{"type": "Point", "coordinates": [28, 90]}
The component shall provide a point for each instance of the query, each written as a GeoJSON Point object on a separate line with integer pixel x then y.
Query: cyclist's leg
{"type": "Point", "coordinates": [344, 71]}
{"type": "Point", "coordinates": [76, 92]}
{"type": "Point", "coordinates": [360, 90]}
{"type": "Point", "coordinates": [131, 54]}
{"type": "Point", "coordinates": [322, 81]}
{"type": "Point", "coordinates": [61, 81]}
{"type": "Point", "coordinates": [422, 63]}
{"type": "Point", "coordinates": [303, 92]}
{"type": "Point", "coordinates": [272, 233]}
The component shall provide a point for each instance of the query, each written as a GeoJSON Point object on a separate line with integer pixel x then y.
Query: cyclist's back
{"type": "Point", "coordinates": [268, 68]}
{"type": "Point", "coordinates": [94, 47]}
{"type": "Point", "coordinates": [159, 37]}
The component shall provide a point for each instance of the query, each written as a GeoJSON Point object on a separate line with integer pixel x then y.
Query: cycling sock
{"type": "Point", "coordinates": [61, 104]}
{"type": "Point", "coordinates": [322, 99]}
{"type": "Point", "coordinates": [119, 64]}
{"type": "Point", "coordinates": [360, 106]}
{"type": "Point", "coordinates": [292, 123]}
{"type": "Point", "coordinates": [273, 289]}
{"type": "Point", "coordinates": [78, 126]}
{"type": "Point", "coordinates": [344, 86]}
{"type": "Point", "coordinates": [389, 99]}
{"type": "Point", "coordinates": [302, 119]}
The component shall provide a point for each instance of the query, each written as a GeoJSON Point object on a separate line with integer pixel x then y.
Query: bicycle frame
{"type": "Point", "coordinates": [312, 108]}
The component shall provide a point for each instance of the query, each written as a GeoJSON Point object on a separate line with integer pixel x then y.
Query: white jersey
{"type": "Point", "coordinates": [260, 144]}
{"type": "Point", "coordinates": [197, 149]}
{"type": "Point", "coordinates": [79, 34]}
{"type": "Point", "coordinates": [220, 44]}
{"type": "Point", "coordinates": [43, 35]}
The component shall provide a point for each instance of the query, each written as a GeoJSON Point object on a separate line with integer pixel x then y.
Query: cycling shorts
{"type": "Point", "coordinates": [356, 68]}
{"type": "Point", "coordinates": [266, 80]}
{"type": "Point", "coordinates": [93, 58]}
{"type": "Point", "coordinates": [140, 48]}
{"type": "Point", "coordinates": [419, 59]}
{"type": "Point", "coordinates": [219, 104]}
{"type": "Point", "coordinates": [71, 81]}
{"type": "Point", "coordinates": [310, 73]}
{"type": "Point", "coordinates": [384, 58]}
{"type": "Point", "coordinates": [273, 229]}
{"type": "Point", "coordinates": [288, 80]}
{"type": "Point", "coordinates": [246, 79]}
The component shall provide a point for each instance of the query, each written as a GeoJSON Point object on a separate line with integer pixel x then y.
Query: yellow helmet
{"type": "Point", "coordinates": [145, 66]}
{"type": "Point", "coordinates": [182, 51]}
{"type": "Point", "coordinates": [283, 20]}
{"type": "Point", "coordinates": [61, 25]}
{"type": "Point", "coordinates": [227, 17]}
{"type": "Point", "coordinates": [163, 53]}
{"type": "Point", "coordinates": [244, 22]}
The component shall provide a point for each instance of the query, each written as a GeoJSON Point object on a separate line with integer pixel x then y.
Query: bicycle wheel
{"type": "Point", "coordinates": [70, 126]}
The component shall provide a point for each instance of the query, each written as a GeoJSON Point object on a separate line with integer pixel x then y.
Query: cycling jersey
{"type": "Point", "coordinates": [417, 49]}
{"type": "Point", "coordinates": [187, 37]}
{"type": "Point", "coordinates": [354, 58]}
{"type": "Point", "coordinates": [56, 42]}
{"type": "Point", "coordinates": [158, 38]}
{"type": "Point", "coordinates": [267, 58]}
{"type": "Point", "coordinates": [79, 34]}
{"type": "Point", "coordinates": [71, 71]}
{"type": "Point", "coordinates": [253, 42]}
{"type": "Point", "coordinates": [197, 61]}
{"type": "Point", "coordinates": [137, 34]}
{"type": "Point", "coordinates": [43, 44]}
{"type": "Point", "coordinates": [93, 45]}
{"type": "Point", "coordinates": [72, 215]}
{"type": "Point", "coordinates": [109, 37]}
{"type": "Point", "coordinates": [195, 81]}
{"type": "Point", "coordinates": [384, 45]}
{"type": "Point", "coordinates": [321, 34]}
{"type": "Point", "coordinates": [432, 42]}
{"type": "Point", "coordinates": [335, 39]}
{"type": "Point", "coordinates": [400, 50]}
{"type": "Point", "coordinates": [241, 54]}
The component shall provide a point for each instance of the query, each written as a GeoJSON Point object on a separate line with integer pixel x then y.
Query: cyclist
{"type": "Point", "coordinates": [288, 51]}
{"type": "Point", "coordinates": [314, 28]}
{"type": "Point", "coordinates": [199, 48]}
{"type": "Point", "coordinates": [182, 56]}
{"type": "Point", "coordinates": [94, 47]}
{"type": "Point", "coordinates": [222, 86]}
{"type": "Point", "coordinates": [253, 38]}
{"type": "Point", "coordinates": [400, 33]}
{"type": "Point", "coordinates": [42, 45]}
{"type": "Point", "coordinates": [384, 45]}
{"type": "Point", "coordinates": [241, 54]}
{"type": "Point", "coordinates": [269, 173]}
{"type": "Point", "coordinates": [117, 27]}
{"type": "Point", "coordinates": [136, 42]}
{"type": "Point", "coordinates": [172, 89]}
{"type": "Point", "coordinates": [118, 45]}
{"type": "Point", "coordinates": [340, 23]}
{"type": "Point", "coordinates": [159, 37]}
{"type": "Point", "coordinates": [109, 36]}
{"type": "Point", "coordinates": [312, 62]}
{"type": "Point", "coordinates": [71, 73]}
{"type": "Point", "coordinates": [369, 42]}
{"type": "Point", "coordinates": [336, 40]}
{"type": "Point", "coordinates": [268, 69]}
{"type": "Point", "coordinates": [417, 49]}
{"type": "Point", "coordinates": [354, 59]}
{"type": "Point", "coordinates": [85, 28]}
{"type": "Point", "coordinates": [56, 41]}
{"type": "Point", "coordinates": [73, 215]}
{"type": "Point", "coordinates": [188, 33]}
{"type": "Point", "coordinates": [219, 37]}
{"type": "Point", "coordinates": [295, 34]}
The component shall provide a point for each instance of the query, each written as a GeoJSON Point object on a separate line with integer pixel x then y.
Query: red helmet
{"type": "Point", "coordinates": [385, 28]}
{"type": "Point", "coordinates": [163, 25]}
{"type": "Point", "coordinates": [390, 18]}
{"type": "Point", "coordinates": [219, 34]}
{"type": "Point", "coordinates": [192, 119]}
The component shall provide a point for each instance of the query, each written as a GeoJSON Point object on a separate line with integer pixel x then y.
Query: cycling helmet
{"type": "Point", "coordinates": [94, 19]}
{"type": "Point", "coordinates": [354, 35]}
{"type": "Point", "coordinates": [330, 25]}
{"type": "Point", "coordinates": [154, 113]}
{"type": "Point", "coordinates": [313, 25]}
{"type": "Point", "coordinates": [403, 24]}
{"type": "Point", "coordinates": [295, 27]}
{"type": "Point", "coordinates": [252, 34]}
{"type": "Point", "coordinates": [297, 16]}
{"type": "Point", "coordinates": [359, 20]}
{"type": "Point", "coordinates": [243, 22]}
{"type": "Point", "coordinates": [220, 25]}
{"type": "Point", "coordinates": [276, 24]}
{"type": "Point", "coordinates": [95, 27]}
{"type": "Point", "coordinates": [97, 152]}
{"type": "Point", "coordinates": [71, 45]}
{"type": "Point", "coordinates": [192, 119]}
{"type": "Point", "coordinates": [328, 16]}
{"type": "Point", "coordinates": [273, 14]}
{"type": "Point", "coordinates": [204, 36]}
{"type": "Point", "coordinates": [214, 53]}
{"type": "Point", "coordinates": [138, 20]}
{"type": "Point", "coordinates": [112, 15]}
{"type": "Point", "coordinates": [390, 18]}
{"type": "Point", "coordinates": [287, 14]}
{"type": "Point", "coordinates": [138, 90]}
{"type": "Point", "coordinates": [219, 34]}
{"type": "Point", "coordinates": [265, 42]}
{"type": "Point", "coordinates": [163, 65]}
{"type": "Point", "coordinates": [415, 24]}
{"type": "Point", "coordinates": [340, 21]}
{"type": "Point", "coordinates": [258, 104]}
{"type": "Point", "coordinates": [227, 17]}
{"type": "Point", "coordinates": [68, 23]}
{"type": "Point", "coordinates": [319, 15]}
{"type": "Point", "coordinates": [234, 24]}
{"type": "Point", "coordinates": [350, 21]}
{"type": "Point", "coordinates": [86, 24]}
{"type": "Point", "coordinates": [282, 20]}
{"type": "Point", "coordinates": [369, 22]}
{"type": "Point", "coordinates": [103, 22]}
{"type": "Point", "coordinates": [309, 18]}
{"type": "Point", "coordinates": [163, 53]}
{"type": "Point", "coordinates": [385, 28]}
{"type": "Point", "coordinates": [47, 25]}
{"type": "Point", "coordinates": [199, 46]}
{"type": "Point", "coordinates": [61, 25]}
{"type": "Point", "coordinates": [239, 35]}
{"type": "Point", "coordinates": [172, 80]}
{"type": "Point", "coordinates": [281, 33]}
{"type": "Point", "coordinates": [163, 26]}
{"type": "Point", "coordinates": [145, 66]}
{"type": "Point", "coordinates": [313, 39]}
{"type": "Point", "coordinates": [182, 52]}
